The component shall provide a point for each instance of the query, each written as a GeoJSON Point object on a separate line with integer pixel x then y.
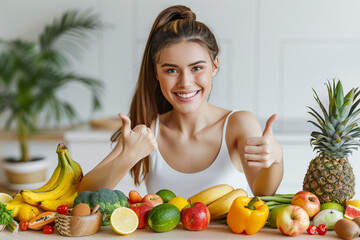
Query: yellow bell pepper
{"type": "Point", "coordinates": [247, 215]}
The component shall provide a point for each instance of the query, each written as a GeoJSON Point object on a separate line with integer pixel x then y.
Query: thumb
{"type": "Point", "coordinates": [268, 128]}
{"type": "Point", "coordinates": [125, 129]}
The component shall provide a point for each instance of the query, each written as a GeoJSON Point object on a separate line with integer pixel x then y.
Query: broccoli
{"type": "Point", "coordinates": [108, 200]}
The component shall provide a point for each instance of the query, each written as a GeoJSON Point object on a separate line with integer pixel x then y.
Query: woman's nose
{"type": "Point", "coordinates": [185, 78]}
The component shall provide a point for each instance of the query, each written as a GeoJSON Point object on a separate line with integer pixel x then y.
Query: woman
{"type": "Point", "coordinates": [174, 138]}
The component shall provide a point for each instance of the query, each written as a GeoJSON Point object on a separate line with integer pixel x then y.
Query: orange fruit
{"type": "Point", "coordinates": [352, 212]}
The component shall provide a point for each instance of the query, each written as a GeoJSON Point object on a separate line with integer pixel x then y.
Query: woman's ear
{"type": "Point", "coordinates": [215, 67]}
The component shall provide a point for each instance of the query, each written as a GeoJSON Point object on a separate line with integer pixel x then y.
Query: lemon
{"type": "Point", "coordinates": [353, 202]}
{"type": "Point", "coordinates": [5, 198]}
{"type": "Point", "coordinates": [179, 202]}
{"type": "Point", "coordinates": [124, 221]}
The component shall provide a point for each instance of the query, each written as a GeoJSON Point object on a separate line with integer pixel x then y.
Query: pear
{"type": "Point", "coordinates": [328, 217]}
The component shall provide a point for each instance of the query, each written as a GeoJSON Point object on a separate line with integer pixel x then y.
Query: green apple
{"type": "Point", "coordinates": [273, 214]}
{"type": "Point", "coordinates": [328, 217]}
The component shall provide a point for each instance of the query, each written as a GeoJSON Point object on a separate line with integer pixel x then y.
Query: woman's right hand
{"type": "Point", "coordinates": [138, 142]}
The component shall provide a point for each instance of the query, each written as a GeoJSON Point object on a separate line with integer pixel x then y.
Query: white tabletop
{"type": "Point", "coordinates": [215, 230]}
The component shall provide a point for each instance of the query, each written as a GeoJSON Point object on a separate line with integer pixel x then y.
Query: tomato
{"type": "Point", "coordinates": [48, 229]}
{"type": "Point", "coordinates": [62, 209]}
{"type": "Point", "coordinates": [24, 225]}
{"type": "Point", "coordinates": [322, 229]}
{"type": "Point", "coordinates": [312, 229]}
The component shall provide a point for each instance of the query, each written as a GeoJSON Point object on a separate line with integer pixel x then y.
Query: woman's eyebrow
{"type": "Point", "coordinates": [174, 65]}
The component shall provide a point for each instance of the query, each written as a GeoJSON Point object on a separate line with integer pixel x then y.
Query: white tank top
{"type": "Point", "coordinates": [221, 171]}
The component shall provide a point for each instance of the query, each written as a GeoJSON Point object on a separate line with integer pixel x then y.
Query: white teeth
{"type": "Point", "coordinates": [186, 95]}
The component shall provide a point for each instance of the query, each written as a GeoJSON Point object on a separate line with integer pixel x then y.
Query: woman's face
{"type": "Point", "coordinates": [185, 72]}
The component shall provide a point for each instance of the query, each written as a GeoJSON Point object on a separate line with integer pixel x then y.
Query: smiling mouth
{"type": "Point", "coordinates": [187, 95]}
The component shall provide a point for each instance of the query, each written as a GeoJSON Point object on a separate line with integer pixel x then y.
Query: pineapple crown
{"type": "Point", "coordinates": [339, 132]}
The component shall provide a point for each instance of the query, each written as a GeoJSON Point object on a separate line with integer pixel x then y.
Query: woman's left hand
{"type": "Point", "coordinates": [263, 151]}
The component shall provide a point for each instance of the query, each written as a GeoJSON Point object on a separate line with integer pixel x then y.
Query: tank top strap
{"type": "Point", "coordinates": [225, 126]}
{"type": "Point", "coordinates": [156, 127]}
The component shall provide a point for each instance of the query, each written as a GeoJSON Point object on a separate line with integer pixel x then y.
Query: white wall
{"type": "Point", "coordinates": [272, 52]}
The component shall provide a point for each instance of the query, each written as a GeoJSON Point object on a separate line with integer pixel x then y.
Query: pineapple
{"type": "Point", "coordinates": [329, 175]}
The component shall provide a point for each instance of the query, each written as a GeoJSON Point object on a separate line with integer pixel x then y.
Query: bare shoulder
{"type": "Point", "coordinates": [244, 124]}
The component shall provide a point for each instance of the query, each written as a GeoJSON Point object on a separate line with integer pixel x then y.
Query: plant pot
{"type": "Point", "coordinates": [25, 175]}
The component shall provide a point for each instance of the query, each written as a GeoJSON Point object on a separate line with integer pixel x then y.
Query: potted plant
{"type": "Point", "coordinates": [31, 75]}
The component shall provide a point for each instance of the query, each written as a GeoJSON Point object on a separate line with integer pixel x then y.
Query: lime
{"type": "Point", "coordinates": [332, 205]}
{"type": "Point", "coordinates": [124, 220]}
{"type": "Point", "coordinates": [5, 198]}
{"type": "Point", "coordinates": [273, 214]}
{"type": "Point", "coordinates": [166, 195]}
{"type": "Point", "coordinates": [328, 217]}
{"type": "Point", "coordinates": [179, 202]}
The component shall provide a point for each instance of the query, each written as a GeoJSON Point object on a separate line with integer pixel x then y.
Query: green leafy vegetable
{"type": "Point", "coordinates": [5, 215]}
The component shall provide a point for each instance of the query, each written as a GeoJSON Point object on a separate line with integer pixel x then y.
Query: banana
{"type": "Point", "coordinates": [75, 166]}
{"type": "Point", "coordinates": [63, 183]}
{"type": "Point", "coordinates": [53, 179]}
{"type": "Point", "coordinates": [52, 205]}
{"type": "Point", "coordinates": [211, 194]}
{"type": "Point", "coordinates": [221, 207]}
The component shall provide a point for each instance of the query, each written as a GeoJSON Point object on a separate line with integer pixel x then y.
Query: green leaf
{"type": "Point", "coordinates": [5, 215]}
{"type": "Point", "coordinates": [339, 93]}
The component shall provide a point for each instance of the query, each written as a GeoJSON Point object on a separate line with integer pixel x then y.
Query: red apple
{"type": "Point", "coordinates": [308, 201]}
{"type": "Point", "coordinates": [292, 220]}
{"type": "Point", "coordinates": [152, 199]}
{"type": "Point", "coordinates": [142, 210]}
{"type": "Point", "coordinates": [195, 216]}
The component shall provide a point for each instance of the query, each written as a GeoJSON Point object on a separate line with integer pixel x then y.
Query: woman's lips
{"type": "Point", "coordinates": [186, 96]}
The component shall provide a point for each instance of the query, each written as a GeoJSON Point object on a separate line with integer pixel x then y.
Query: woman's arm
{"type": "Point", "coordinates": [133, 146]}
{"type": "Point", "coordinates": [261, 156]}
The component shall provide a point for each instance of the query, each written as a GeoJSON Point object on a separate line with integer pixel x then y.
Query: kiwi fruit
{"type": "Point", "coordinates": [347, 229]}
{"type": "Point", "coordinates": [357, 221]}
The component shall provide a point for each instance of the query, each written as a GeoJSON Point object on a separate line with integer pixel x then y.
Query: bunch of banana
{"type": "Point", "coordinates": [61, 188]}
{"type": "Point", "coordinates": [218, 199]}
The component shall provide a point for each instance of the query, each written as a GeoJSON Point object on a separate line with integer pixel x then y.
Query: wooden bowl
{"type": "Point", "coordinates": [77, 226]}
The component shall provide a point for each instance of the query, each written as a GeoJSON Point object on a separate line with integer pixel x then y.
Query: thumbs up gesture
{"type": "Point", "coordinates": [136, 143]}
{"type": "Point", "coordinates": [263, 151]}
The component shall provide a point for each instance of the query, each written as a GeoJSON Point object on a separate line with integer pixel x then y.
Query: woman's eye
{"type": "Point", "coordinates": [171, 70]}
{"type": "Point", "coordinates": [197, 68]}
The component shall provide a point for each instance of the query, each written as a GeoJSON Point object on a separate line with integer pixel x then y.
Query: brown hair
{"type": "Point", "coordinates": [173, 25]}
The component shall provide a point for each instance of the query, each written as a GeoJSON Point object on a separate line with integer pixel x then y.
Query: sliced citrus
{"type": "Point", "coordinates": [179, 202]}
{"type": "Point", "coordinates": [5, 198]}
{"type": "Point", "coordinates": [124, 220]}
{"type": "Point", "coordinates": [353, 202]}
{"type": "Point", "coordinates": [352, 212]}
